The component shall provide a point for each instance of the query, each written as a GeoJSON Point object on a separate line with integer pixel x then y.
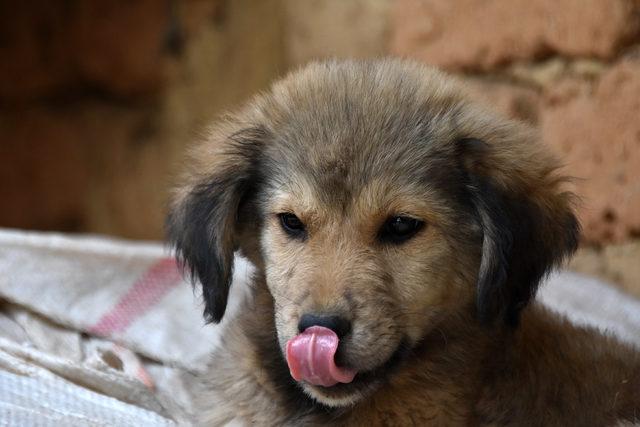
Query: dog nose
{"type": "Point", "coordinates": [337, 324]}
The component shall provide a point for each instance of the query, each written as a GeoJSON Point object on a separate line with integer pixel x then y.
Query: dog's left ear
{"type": "Point", "coordinates": [527, 221]}
{"type": "Point", "coordinates": [203, 222]}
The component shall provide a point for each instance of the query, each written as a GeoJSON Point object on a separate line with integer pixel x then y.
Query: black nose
{"type": "Point", "coordinates": [337, 324]}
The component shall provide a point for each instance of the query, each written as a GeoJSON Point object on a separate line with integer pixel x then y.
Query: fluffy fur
{"type": "Point", "coordinates": [443, 327]}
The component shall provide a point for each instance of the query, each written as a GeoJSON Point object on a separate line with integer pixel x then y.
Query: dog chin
{"type": "Point", "coordinates": [334, 397]}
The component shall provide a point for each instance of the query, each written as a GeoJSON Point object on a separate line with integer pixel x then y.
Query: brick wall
{"type": "Point", "coordinates": [99, 100]}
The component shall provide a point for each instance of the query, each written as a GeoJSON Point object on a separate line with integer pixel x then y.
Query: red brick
{"type": "Point", "coordinates": [597, 132]}
{"type": "Point", "coordinates": [44, 176]}
{"type": "Point", "coordinates": [483, 34]}
{"type": "Point", "coordinates": [114, 47]}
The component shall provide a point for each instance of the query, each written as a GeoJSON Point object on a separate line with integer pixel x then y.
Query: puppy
{"type": "Point", "coordinates": [399, 233]}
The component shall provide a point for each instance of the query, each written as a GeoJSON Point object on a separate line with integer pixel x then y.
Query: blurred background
{"type": "Point", "coordinates": [100, 98]}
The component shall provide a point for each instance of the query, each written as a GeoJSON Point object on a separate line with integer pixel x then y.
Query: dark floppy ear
{"type": "Point", "coordinates": [527, 222]}
{"type": "Point", "coordinates": [202, 224]}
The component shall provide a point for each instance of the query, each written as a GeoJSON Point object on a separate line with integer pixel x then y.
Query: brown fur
{"type": "Point", "coordinates": [443, 328]}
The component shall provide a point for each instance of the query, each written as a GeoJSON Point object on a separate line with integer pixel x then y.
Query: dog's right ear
{"type": "Point", "coordinates": [203, 220]}
{"type": "Point", "coordinates": [528, 223]}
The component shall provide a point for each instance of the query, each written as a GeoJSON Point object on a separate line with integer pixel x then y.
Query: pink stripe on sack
{"type": "Point", "coordinates": [156, 282]}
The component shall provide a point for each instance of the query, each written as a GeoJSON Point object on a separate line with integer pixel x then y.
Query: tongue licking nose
{"type": "Point", "coordinates": [310, 356]}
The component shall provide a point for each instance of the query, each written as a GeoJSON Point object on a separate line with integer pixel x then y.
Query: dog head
{"type": "Point", "coordinates": [376, 201]}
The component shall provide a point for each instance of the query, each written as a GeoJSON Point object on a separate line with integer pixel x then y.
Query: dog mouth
{"type": "Point", "coordinates": [311, 359]}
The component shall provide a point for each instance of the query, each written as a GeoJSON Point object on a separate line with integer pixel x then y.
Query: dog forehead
{"type": "Point", "coordinates": [340, 163]}
{"type": "Point", "coordinates": [385, 178]}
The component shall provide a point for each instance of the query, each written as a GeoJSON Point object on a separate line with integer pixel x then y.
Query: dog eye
{"type": "Point", "coordinates": [399, 229]}
{"type": "Point", "coordinates": [292, 224]}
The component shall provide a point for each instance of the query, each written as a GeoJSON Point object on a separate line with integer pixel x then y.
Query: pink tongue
{"type": "Point", "coordinates": [310, 358]}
